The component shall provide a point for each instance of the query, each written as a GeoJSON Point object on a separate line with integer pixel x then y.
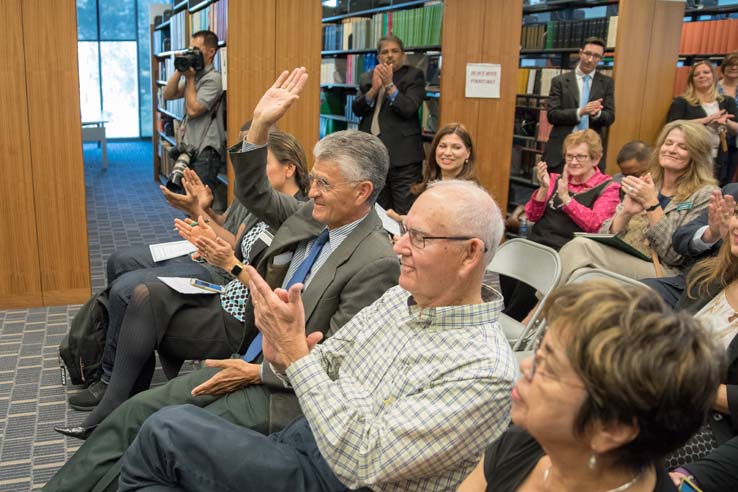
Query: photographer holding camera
{"type": "Point", "coordinates": [201, 136]}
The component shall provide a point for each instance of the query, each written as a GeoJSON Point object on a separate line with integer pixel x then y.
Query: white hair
{"type": "Point", "coordinates": [475, 212]}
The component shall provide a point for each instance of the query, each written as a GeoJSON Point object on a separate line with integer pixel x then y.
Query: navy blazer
{"type": "Point", "coordinates": [563, 105]}
{"type": "Point", "coordinates": [398, 121]}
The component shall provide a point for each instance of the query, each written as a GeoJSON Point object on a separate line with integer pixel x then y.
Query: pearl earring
{"type": "Point", "coordinates": [592, 463]}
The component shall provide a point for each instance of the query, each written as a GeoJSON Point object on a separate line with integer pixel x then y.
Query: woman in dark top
{"type": "Point", "coordinates": [618, 382]}
{"type": "Point", "coordinates": [703, 103]}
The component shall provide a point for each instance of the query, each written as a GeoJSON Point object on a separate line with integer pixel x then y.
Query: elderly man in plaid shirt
{"type": "Point", "coordinates": [403, 398]}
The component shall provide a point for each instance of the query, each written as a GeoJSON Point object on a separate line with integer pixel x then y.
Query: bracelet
{"type": "Point", "coordinates": [652, 207]}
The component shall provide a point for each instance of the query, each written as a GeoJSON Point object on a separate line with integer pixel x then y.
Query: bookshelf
{"type": "Point", "coordinates": [271, 36]}
{"type": "Point", "coordinates": [168, 37]}
{"type": "Point", "coordinates": [551, 36]}
{"type": "Point", "coordinates": [350, 32]}
{"type": "Point", "coordinates": [707, 33]}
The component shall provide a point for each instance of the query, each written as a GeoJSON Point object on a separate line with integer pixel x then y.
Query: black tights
{"type": "Point", "coordinates": [134, 358]}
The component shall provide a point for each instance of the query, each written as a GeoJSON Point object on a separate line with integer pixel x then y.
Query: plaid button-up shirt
{"type": "Point", "coordinates": [405, 399]}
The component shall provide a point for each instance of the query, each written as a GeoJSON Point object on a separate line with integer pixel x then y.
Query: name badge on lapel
{"type": "Point", "coordinates": [266, 237]}
{"type": "Point", "coordinates": [684, 206]}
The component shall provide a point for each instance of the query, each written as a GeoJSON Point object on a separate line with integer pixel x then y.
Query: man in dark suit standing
{"type": "Point", "coordinates": [388, 103]}
{"type": "Point", "coordinates": [579, 100]}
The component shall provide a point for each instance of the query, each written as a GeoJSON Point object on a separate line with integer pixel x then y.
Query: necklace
{"type": "Point", "coordinates": [619, 488]}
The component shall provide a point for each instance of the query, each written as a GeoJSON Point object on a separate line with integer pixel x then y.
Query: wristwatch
{"type": "Point", "coordinates": [237, 269]}
{"type": "Point", "coordinates": [389, 86]}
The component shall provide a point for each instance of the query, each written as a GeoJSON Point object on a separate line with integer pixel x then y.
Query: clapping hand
{"type": "Point", "coordinates": [194, 186]}
{"type": "Point", "coordinates": [385, 73]}
{"type": "Point", "coordinates": [543, 176]}
{"type": "Point", "coordinates": [216, 251]}
{"type": "Point", "coordinates": [562, 189]}
{"type": "Point", "coordinates": [591, 108]}
{"type": "Point", "coordinates": [280, 316]}
{"type": "Point", "coordinates": [191, 230]}
{"type": "Point", "coordinates": [719, 211]}
{"type": "Point", "coordinates": [640, 189]}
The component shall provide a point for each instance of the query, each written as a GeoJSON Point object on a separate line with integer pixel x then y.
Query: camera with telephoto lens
{"type": "Point", "coordinates": [182, 162]}
{"type": "Point", "coordinates": [191, 57]}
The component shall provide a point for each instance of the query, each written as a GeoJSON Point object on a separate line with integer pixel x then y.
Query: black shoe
{"type": "Point", "coordinates": [78, 432]}
{"type": "Point", "coordinates": [87, 399]}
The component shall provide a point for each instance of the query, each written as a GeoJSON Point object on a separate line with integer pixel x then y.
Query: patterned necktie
{"type": "Point", "coordinates": [298, 277]}
{"type": "Point", "coordinates": [377, 109]}
{"type": "Point", "coordinates": [584, 121]}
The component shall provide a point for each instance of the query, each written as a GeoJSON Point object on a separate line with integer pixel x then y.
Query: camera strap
{"type": "Point", "coordinates": [213, 115]}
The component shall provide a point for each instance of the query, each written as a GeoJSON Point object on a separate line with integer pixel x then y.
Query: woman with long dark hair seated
{"type": "Point", "coordinates": [193, 326]}
{"type": "Point", "coordinates": [617, 382]}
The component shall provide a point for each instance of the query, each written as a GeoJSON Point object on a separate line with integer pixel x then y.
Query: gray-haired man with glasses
{"type": "Point", "coordinates": [580, 99]}
{"type": "Point", "coordinates": [402, 398]}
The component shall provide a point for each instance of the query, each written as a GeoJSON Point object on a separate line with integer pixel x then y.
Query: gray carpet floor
{"type": "Point", "coordinates": [124, 207]}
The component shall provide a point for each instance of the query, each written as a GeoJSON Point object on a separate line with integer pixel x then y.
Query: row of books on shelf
{"type": "Point", "coordinates": [709, 37]}
{"type": "Point", "coordinates": [538, 80]}
{"type": "Point", "coordinates": [175, 106]}
{"type": "Point", "coordinates": [328, 126]}
{"type": "Point", "coordinates": [166, 163]}
{"type": "Point", "coordinates": [569, 33]}
{"type": "Point", "coordinates": [416, 27]}
{"type": "Point", "coordinates": [178, 31]}
{"type": "Point", "coordinates": [532, 123]}
{"type": "Point", "coordinates": [213, 17]}
{"type": "Point", "coordinates": [161, 41]}
{"type": "Point", "coordinates": [346, 70]}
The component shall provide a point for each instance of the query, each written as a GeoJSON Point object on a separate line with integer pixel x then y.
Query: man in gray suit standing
{"type": "Point", "coordinates": [334, 245]}
{"type": "Point", "coordinates": [580, 99]}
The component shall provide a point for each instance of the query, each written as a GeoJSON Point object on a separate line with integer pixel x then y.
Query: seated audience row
{"type": "Point", "coordinates": [413, 381]}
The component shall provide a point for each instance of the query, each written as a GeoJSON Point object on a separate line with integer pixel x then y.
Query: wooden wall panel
{"type": "Point", "coordinates": [251, 55]}
{"type": "Point", "coordinates": [666, 33]}
{"type": "Point", "coordinates": [483, 31]}
{"type": "Point", "coordinates": [298, 40]}
{"type": "Point", "coordinates": [20, 281]}
{"type": "Point", "coordinates": [503, 25]}
{"type": "Point", "coordinates": [54, 123]}
{"type": "Point", "coordinates": [645, 58]}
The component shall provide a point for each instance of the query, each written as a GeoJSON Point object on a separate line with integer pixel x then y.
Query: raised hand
{"type": "Point", "coordinates": [234, 374]}
{"type": "Point", "coordinates": [280, 96]}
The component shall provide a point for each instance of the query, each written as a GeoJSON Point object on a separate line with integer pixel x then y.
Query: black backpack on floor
{"type": "Point", "coordinates": [81, 351]}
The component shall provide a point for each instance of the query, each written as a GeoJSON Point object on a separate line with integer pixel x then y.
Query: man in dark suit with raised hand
{"type": "Point", "coordinates": [578, 100]}
{"type": "Point", "coordinates": [352, 267]}
{"type": "Point", "coordinates": [388, 103]}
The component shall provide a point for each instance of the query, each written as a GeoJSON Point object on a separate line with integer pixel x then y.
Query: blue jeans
{"type": "Point", "coordinates": [127, 267]}
{"type": "Point", "coordinates": [184, 447]}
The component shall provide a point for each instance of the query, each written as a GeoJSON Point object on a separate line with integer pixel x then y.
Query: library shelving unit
{"type": "Point", "coordinates": [551, 36]}
{"type": "Point", "coordinates": [708, 32]}
{"type": "Point", "coordinates": [350, 32]}
{"type": "Point", "coordinates": [646, 34]}
{"type": "Point", "coordinates": [168, 37]}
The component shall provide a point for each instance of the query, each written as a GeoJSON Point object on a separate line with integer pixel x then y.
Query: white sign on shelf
{"type": "Point", "coordinates": [483, 80]}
